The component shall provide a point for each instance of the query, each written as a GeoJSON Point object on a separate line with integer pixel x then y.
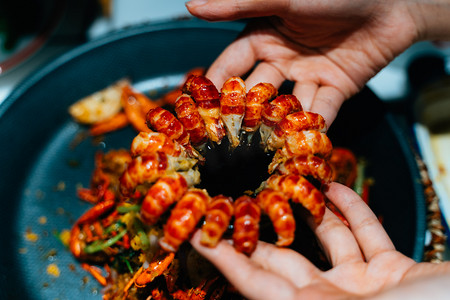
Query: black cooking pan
{"type": "Point", "coordinates": [41, 169]}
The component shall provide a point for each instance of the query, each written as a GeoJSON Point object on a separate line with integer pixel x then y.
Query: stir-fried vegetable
{"type": "Point", "coordinates": [102, 245]}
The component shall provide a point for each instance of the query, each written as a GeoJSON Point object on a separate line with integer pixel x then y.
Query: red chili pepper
{"type": "Point", "coordinates": [126, 241]}
{"type": "Point", "coordinates": [95, 272]}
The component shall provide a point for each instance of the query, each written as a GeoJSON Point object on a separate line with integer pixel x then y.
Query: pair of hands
{"type": "Point", "coordinates": [330, 49]}
{"type": "Point", "coordinates": [364, 262]}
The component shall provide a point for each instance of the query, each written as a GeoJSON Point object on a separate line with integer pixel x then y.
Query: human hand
{"type": "Point", "coordinates": [330, 49]}
{"type": "Point", "coordinates": [363, 258]}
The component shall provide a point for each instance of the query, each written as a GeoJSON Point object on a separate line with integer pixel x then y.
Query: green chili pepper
{"type": "Point", "coordinates": [101, 245]}
{"type": "Point", "coordinates": [114, 227]}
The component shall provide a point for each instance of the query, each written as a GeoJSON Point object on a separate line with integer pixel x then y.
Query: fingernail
{"type": "Point", "coordinates": [193, 3]}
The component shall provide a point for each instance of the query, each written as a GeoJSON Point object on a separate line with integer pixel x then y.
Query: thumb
{"type": "Point", "coordinates": [226, 10]}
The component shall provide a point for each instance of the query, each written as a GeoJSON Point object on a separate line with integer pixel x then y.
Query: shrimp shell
{"type": "Point", "coordinates": [206, 95]}
{"type": "Point", "coordinates": [218, 216]}
{"type": "Point", "coordinates": [275, 111]}
{"type": "Point", "coordinates": [276, 205]}
{"type": "Point", "coordinates": [306, 165]}
{"type": "Point", "coordinates": [183, 218]}
{"type": "Point", "coordinates": [297, 121]}
{"type": "Point", "coordinates": [166, 191]}
{"type": "Point", "coordinates": [148, 142]}
{"type": "Point", "coordinates": [149, 167]}
{"type": "Point", "coordinates": [232, 107]}
{"type": "Point", "coordinates": [257, 97]}
{"type": "Point", "coordinates": [161, 120]}
{"type": "Point", "coordinates": [307, 142]}
{"type": "Point", "coordinates": [247, 215]}
{"type": "Point", "coordinates": [300, 190]}
{"type": "Point", "coordinates": [187, 112]}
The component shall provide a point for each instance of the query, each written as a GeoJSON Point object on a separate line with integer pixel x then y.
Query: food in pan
{"type": "Point", "coordinates": [149, 199]}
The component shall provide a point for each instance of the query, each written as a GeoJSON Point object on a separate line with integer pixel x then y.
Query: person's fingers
{"type": "Point", "coordinates": [305, 92]}
{"type": "Point", "coordinates": [247, 276]}
{"type": "Point", "coordinates": [327, 102]}
{"type": "Point", "coordinates": [282, 262]}
{"type": "Point", "coordinates": [257, 49]}
{"type": "Point", "coordinates": [237, 59]}
{"type": "Point", "coordinates": [264, 72]}
{"type": "Point", "coordinates": [337, 240]}
{"type": "Point", "coordinates": [367, 229]}
{"type": "Point", "coordinates": [285, 263]}
{"type": "Point", "coordinates": [225, 10]}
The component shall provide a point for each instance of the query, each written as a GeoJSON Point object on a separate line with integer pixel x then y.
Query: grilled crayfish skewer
{"type": "Point", "coordinates": [187, 112]}
{"type": "Point", "coordinates": [276, 205]}
{"type": "Point", "coordinates": [183, 218]}
{"type": "Point", "coordinates": [162, 120]}
{"type": "Point", "coordinates": [295, 122]}
{"type": "Point", "coordinates": [206, 95]}
{"type": "Point", "coordinates": [276, 111]}
{"type": "Point", "coordinates": [232, 108]}
{"type": "Point", "coordinates": [218, 215]}
{"type": "Point", "coordinates": [306, 165]}
{"type": "Point", "coordinates": [166, 191]}
{"type": "Point", "coordinates": [257, 98]}
{"type": "Point", "coordinates": [300, 190]}
{"type": "Point", "coordinates": [149, 167]}
{"type": "Point", "coordinates": [247, 215]}
{"type": "Point", "coordinates": [149, 142]}
{"type": "Point", "coordinates": [306, 142]}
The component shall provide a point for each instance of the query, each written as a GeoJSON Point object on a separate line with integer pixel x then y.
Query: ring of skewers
{"type": "Point", "coordinates": [159, 178]}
